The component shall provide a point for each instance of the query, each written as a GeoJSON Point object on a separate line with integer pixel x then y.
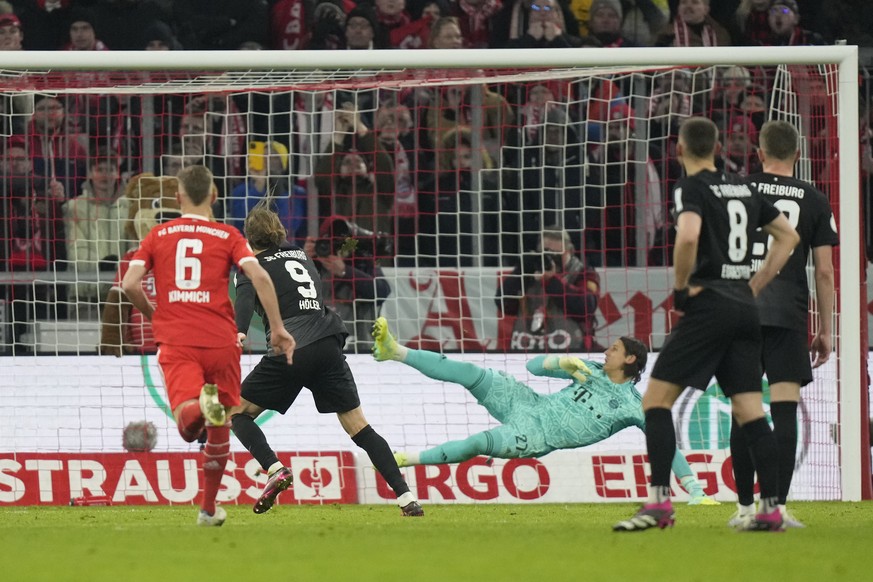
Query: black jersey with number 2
{"type": "Point", "coordinates": [785, 301]}
{"type": "Point", "coordinates": [299, 290]}
{"type": "Point", "coordinates": [731, 213]}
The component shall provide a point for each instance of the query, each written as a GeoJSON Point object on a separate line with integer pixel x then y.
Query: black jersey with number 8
{"type": "Point", "coordinates": [731, 212]}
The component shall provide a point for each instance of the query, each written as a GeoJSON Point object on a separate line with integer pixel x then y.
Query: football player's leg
{"type": "Point", "coordinates": [215, 455]}
{"type": "Point", "coordinates": [744, 468]}
{"type": "Point", "coordinates": [183, 378]}
{"type": "Point", "coordinates": [439, 367]}
{"type": "Point", "coordinates": [242, 419]}
{"type": "Point", "coordinates": [363, 435]}
{"type": "Point", "coordinates": [222, 370]}
{"type": "Point", "coordinates": [497, 442]}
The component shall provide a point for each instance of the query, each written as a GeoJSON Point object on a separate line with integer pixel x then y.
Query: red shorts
{"type": "Point", "coordinates": [186, 369]}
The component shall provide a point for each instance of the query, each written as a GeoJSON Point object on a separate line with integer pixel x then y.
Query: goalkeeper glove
{"type": "Point", "coordinates": [575, 367]}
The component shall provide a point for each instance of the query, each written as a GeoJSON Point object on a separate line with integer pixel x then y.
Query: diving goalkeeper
{"type": "Point", "coordinates": [600, 401]}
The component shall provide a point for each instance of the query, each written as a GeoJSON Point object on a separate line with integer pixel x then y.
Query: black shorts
{"type": "Point", "coordinates": [321, 367]}
{"type": "Point", "coordinates": [786, 355]}
{"type": "Point", "coordinates": [717, 337]}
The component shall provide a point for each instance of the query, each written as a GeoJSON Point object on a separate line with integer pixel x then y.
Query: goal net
{"type": "Point", "coordinates": [460, 177]}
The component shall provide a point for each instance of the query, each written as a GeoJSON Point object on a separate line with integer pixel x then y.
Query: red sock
{"type": "Point", "coordinates": [215, 455]}
{"type": "Point", "coordinates": [191, 422]}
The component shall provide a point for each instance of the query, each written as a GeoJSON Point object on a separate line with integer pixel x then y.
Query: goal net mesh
{"type": "Point", "coordinates": [446, 179]}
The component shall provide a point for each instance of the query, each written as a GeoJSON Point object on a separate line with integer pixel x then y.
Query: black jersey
{"type": "Point", "coordinates": [785, 301]}
{"type": "Point", "coordinates": [299, 290]}
{"type": "Point", "coordinates": [731, 213]}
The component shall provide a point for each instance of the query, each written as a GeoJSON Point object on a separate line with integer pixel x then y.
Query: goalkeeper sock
{"type": "Point", "coordinates": [785, 428]}
{"type": "Point", "coordinates": [252, 438]}
{"type": "Point", "coordinates": [439, 367]}
{"type": "Point", "coordinates": [744, 468]}
{"type": "Point", "coordinates": [762, 445]}
{"type": "Point", "coordinates": [661, 444]}
{"type": "Point", "coordinates": [382, 457]}
{"type": "Point", "coordinates": [191, 421]}
{"type": "Point", "coordinates": [483, 443]}
{"type": "Point", "coordinates": [215, 455]}
{"type": "Point", "coordinates": [692, 486]}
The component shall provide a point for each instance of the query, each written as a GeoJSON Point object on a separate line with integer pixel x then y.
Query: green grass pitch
{"type": "Point", "coordinates": [542, 543]}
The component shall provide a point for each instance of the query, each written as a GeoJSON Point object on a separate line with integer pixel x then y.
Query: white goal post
{"type": "Point", "coordinates": [239, 70]}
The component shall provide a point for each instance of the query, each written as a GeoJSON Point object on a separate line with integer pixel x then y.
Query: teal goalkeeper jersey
{"type": "Point", "coordinates": [584, 414]}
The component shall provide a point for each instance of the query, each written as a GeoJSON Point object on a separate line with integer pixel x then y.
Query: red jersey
{"type": "Point", "coordinates": [137, 329]}
{"type": "Point", "coordinates": [191, 259]}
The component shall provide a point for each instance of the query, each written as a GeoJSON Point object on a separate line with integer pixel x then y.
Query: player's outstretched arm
{"type": "Point", "coordinates": [280, 339]}
{"type": "Point", "coordinates": [567, 367]}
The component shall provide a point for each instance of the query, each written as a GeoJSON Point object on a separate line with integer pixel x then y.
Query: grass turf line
{"type": "Point", "coordinates": [452, 542]}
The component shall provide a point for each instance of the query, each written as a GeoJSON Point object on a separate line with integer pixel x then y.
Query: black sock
{"type": "Point", "coordinates": [661, 443]}
{"type": "Point", "coordinates": [253, 439]}
{"type": "Point", "coordinates": [382, 457]}
{"type": "Point", "coordinates": [744, 468]}
{"type": "Point", "coordinates": [785, 428]}
{"type": "Point", "coordinates": [762, 446]}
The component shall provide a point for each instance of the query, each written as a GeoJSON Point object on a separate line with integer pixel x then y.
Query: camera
{"type": "Point", "coordinates": [540, 263]}
{"type": "Point", "coordinates": [341, 236]}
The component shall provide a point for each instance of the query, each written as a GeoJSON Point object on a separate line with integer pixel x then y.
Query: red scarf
{"type": "Point", "coordinates": [475, 22]}
{"type": "Point", "coordinates": [682, 34]}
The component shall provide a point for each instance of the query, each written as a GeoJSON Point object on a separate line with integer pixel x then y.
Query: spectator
{"type": "Point", "coordinates": [328, 27]}
{"type": "Point", "coordinates": [631, 213]}
{"type": "Point", "coordinates": [416, 33]}
{"type": "Point", "coordinates": [545, 183]}
{"type": "Point", "coordinates": [353, 282]}
{"type": "Point", "coordinates": [214, 130]}
{"type": "Point", "coordinates": [268, 177]}
{"type": "Point", "coordinates": [545, 28]}
{"type": "Point", "coordinates": [11, 36]}
{"type": "Point", "coordinates": [604, 23]}
{"type": "Point", "coordinates": [454, 212]}
{"type": "Point", "coordinates": [514, 21]}
{"type": "Point", "coordinates": [47, 23]}
{"type": "Point", "coordinates": [549, 299]}
{"type": "Point", "coordinates": [363, 31]}
{"type": "Point", "coordinates": [785, 29]}
{"type": "Point", "coordinates": [393, 17]}
{"type": "Point", "coordinates": [478, 22]}
{"type": "Point", "coordinates": [643, 19]}
{"type": "Point", "coordinates": [753, 21]}
{"type": "Point", "coordinates": [122, 23]}
{"type": "Point", "coordinates": [693, 26]}
{"type": "Point", "coordinates": [83, 37]}
{"type": "Point", "coordinates": [727, 92]}
{"type": "Point", "coordinates": [13, 108]}
{"type": "Point", "coordinates": [446, 34]}
{"type": "Point", "coordinates": [31, 235]}
{"type": "Point", "coordinates": [159, 37]}
{"type": "Point", "coordinates": [57, 155]}
{"type": "Point", "coordinates": [221, 24]}
{"type": "Point", "coordinates": [33, 227]}
{"type": "Point", "coordinates": [452, 108]}
{"type": "Point", "coordinates": [740, 151]}
{"type": "Point", "coordinates": [393, 127]}
{"type": "Point", "coordinates": [357, 180]}
{"type": "Point", "coordinates": [95, 223]}
{"type": "Point", "coordinates": [753, 104]}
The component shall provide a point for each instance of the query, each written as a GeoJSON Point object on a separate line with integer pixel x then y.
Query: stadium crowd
{"type": "Point", "coordinates": [405, 171]}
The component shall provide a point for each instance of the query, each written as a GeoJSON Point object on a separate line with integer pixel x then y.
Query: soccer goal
{"type": "Point", "coordinates": [445, 168]}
